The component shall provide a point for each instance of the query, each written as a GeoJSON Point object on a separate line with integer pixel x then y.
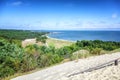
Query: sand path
{"type": "Point", "coordinates": [60, 72]}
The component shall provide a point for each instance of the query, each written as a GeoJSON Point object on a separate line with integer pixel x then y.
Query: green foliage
{"type": "Point", "coordinates": [20, 34]}
{"type": "Point", "coordinates": [80, 54]}
{"type": "Point", "coordinates": [96, 51]}
{"type": "Point", "coordinates": [28, 63]}
{"type": "Point", "coordinates": [17, 42]}
{"type": "Point", "coordinates": [41, 38]}
{"type": "Point", "coordinates": [16, 36]}
{"type": "Point", "coordinates": [11, 57]}
{"type": "Point", "coordinates": [49, 59]}
{"type": "Point", "coordinates": [6, 71]}
{"type": "Point", "coordinates": [44, 56]}
{"type": "Point", "coordinates": [106, 45]}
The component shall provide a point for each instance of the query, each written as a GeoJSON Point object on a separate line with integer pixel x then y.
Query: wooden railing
{"type": "Point", "coordinates": [113, 62]}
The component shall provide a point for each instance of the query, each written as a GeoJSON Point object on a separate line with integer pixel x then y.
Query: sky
{"type": "Point", "coordinates": [60, 14]}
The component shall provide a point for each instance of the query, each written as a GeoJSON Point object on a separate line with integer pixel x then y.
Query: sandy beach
{"type": "Point", "coordinates": [60, 39]}
{"type": "Point", "coordinates": [58, 43]}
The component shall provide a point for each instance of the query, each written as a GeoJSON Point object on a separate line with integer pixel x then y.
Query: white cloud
{"type": "Point", "coordinates": [79, 25]}
{"type": "Point", "coordinates": [16, 3]}
{"type": "Point", "coordinates": [114, 16]}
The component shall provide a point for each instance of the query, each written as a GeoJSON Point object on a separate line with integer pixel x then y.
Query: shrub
{"type": "Point", "coordinates": [80, 54]}
{"type": "Point", "coordinates": [6, 71]}
{"type": "Point", "coordinates": [96, 51]}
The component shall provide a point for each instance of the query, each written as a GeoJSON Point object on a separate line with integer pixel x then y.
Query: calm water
{"type": "Point", "coordinates": [86, 35]}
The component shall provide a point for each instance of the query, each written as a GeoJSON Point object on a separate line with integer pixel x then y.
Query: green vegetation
{"type": "Point", "coordinates": [58, 43]}
{"type": "Point", "coordinates": [41, 38]}
{"type": "Point", "coordinates": [20, 34]}
{"type": "Point", "coordinates": [16, 36]}
{"type": "Point", "coordinates": [106, 45]}
{"type": "Point", "coordinates": [15, 59]}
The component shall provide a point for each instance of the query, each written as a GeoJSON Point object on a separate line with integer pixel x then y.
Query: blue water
{"type": "Point", "coordinates": [86, 35]}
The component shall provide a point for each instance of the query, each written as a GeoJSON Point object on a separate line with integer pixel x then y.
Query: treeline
{"type": "Point", "coordinates": [20, 34]}
{"type": "Point", "coordinates": [16, 36]}
{"type": "Point", "coordinates": [105, 45]}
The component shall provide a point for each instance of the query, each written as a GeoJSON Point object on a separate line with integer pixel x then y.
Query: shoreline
{"type": "Point", "coordinates": [60, 39]}
{"type": "Point", "coordinates": [58, 43]}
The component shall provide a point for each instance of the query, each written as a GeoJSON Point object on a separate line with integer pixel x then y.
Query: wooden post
{"type": "Point", "coordinates": [116, 62]}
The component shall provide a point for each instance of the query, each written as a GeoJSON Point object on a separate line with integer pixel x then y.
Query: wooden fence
{"type": "Point", "coordinates": [113, 62]}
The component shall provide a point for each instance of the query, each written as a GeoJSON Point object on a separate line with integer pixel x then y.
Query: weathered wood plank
{"type": "Point", "coordinates": [113, 62]}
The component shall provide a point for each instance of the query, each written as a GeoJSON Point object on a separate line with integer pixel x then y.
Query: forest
{"type": "Point", "coordinates": [16, 36]}
{"type": "Point", "coordinates": [20, 34]}
{"type": "Point", "coordinates": [16, 59]}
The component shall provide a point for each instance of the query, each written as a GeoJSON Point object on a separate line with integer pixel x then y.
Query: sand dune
{"type": "Point", "coordinates": [107, 73]}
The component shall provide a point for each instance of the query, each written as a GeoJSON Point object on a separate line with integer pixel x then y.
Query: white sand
{"type": "Point", "coordinates": [107, 73]}
{"type": "Point", "coordinates": [27, 42]}
{"type": "Point", "coordinates": [60, 72]}
{"type": "Point", "coordinates": [61, 39]}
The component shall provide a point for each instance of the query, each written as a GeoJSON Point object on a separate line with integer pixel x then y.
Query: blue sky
{"type": "Point", "coordinates": [60, 14]}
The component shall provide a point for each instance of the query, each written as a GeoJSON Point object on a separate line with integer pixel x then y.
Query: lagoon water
{"type": "Point", "coordinates": [86, 35]}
